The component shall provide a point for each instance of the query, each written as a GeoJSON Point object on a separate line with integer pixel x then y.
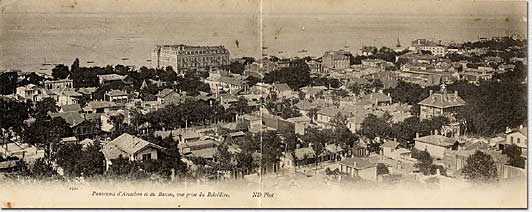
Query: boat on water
{"type": "Point", "coordinates": [280, 52]}
{"type": "Point", "coordinates": [90, 61]}
{"type": "Point", "coordinates": [125, 58]}
{"type": "Point", "coordinates": [45, 63]}
{"type": "Point", "coordinates": [264, 47]}
{"type": "Point", "coordinates": [302, 51]}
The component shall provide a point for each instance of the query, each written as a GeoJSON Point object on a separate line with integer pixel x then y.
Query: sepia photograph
{"type": "Point", "coordinates": [407, 104]}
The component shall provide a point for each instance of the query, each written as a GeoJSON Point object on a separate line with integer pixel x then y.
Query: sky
{"type": "Point", "coordinates": [399, 7]}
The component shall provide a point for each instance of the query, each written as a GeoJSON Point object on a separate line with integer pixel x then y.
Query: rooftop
{"type": "Point", "coordinates": [116, 93]}
{"type": "Point", "coordinates": [109, 77]}
{"type": "Point", "coordinates": [72, 118]}
{"type": "Point", "coordinates": [71, 108]}
{"type": "Point", "coordinates": [125, 145]}
{"type": "Point", "coordinates": [443, 100]}
{"type": "Point", "coordinates": [281, 87]}
{"type": "Point", "coordinates": [302, 153]}
{"type": "Point", "coordinates": [100, 104]}
{"type": "Point", "coordinates": [358, 163]}
{"type": "Point", "coordinates": [438, 140]}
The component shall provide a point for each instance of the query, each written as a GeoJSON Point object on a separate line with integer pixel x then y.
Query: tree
{"type": "Point", "coordinates": [60, 72]}
{"type": "Point", "coordinates": [237, 67]}
{"type": "Point", "coordinates": [492, 105]}
{"type": "Point", "coordinates": [241, 106]}
{"type": "Point", "coordinates": [43, 107]}
{"type": "Point", "coordinates": [319, 148]}
{"type": "Point", "coordinates": [8, 83]}
{"type": "Point", "coordinates": [31, 78]}
{"type": "Point", "coordinates": [286, 108]}
{"type": "Point", "coordinates": [514, 154]}
{"type": "Point", "coordinates": [67, 158]}
{"type": "Point", "coordinates": [480, 167]}
{"type": "Point", "coordinates": [313, 114]}
{"type": "Point", "coordinates": [271, 150]}
{"type": "Point", "coordinates": [290, 140]}
{"type": "Point", "coordinates": [13, 115]}
{"type": "Point", "coordinates": [75, 65]}
{"type": "Point", "coordinates": [296, 76]}
{"type": "Point", "coordinates": [47, 133]}
{"type": "Point", "coordinates": [245, 162]}
{"type": "Point", "coordinates": [342, 135]}
{"type": "Point", "coordinates": [123, 167]}
{"type": "Point", "coordinates": [170, 159]}
{"type": "Point", "coordinates": [42, 169]}
{"type": "Point", "coordinates": [224, 158]}
{"type": "Point", "coordinates": [355, 88]}
{"type": "Point", "coordinates": [424, 163]}
{"type": "Point", "coordinates": [117, 120]}
{"type": "Point", "coordinates": [373, 126]}
{"type": "Point", "coordinates": [168, 74]}
{"type": "Point", "coordinates": [382, 169]}
{"type": "Point", "coordinates": [92, 160]}
{"type": "Point", "coordinates": [340, 92]}
{"type": "Point", "coordinates": [76, 161]}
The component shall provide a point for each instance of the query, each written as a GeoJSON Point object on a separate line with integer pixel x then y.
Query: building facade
{"type": "Point", "coordinates": [184, 56]}
{"type": "Point", "coordinates": [440, 104]}
{"type": "Point", "coordinates": [336, 60]}
{"type": "Point", "coordinates": [58, 84]}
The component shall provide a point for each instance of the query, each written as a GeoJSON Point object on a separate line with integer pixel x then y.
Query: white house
{"type": "Point", "coordinates": [359, 167]}
{"type": "Point", "coordinates": [130, 147]}
{"type": "Point", "coordinates": [436, 145]}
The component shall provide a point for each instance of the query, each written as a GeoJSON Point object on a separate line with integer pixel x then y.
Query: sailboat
{"type": "Point", "coordinates": [398, 45]}
{"type": "Point", "coordinates": [45, 64]}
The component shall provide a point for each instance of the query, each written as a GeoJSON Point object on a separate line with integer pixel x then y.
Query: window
{"type": "Point", "coordinates": [518, 140]}
{"type": "Point", "coordinates": [511, 139]}
{"type": "Point", "coordinates": [146, 156]}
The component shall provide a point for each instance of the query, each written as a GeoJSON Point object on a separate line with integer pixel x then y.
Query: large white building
{"type": "Point", "coordinates": [336, 60]}
{"type": "Point", "coordinates": [184, 56]}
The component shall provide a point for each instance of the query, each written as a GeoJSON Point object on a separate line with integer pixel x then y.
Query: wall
{"type": "Point", "coordinates": [368, 174]}
{"type": "Point", "coordinates": [435, 151]}
{"type": "Point", "coordinates": [148, 150]}
{"type": "Point", "coordinates": [514, 137]}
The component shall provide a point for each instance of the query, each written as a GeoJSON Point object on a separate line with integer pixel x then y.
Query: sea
{"type": "Point", "coordinates": [36, 41]}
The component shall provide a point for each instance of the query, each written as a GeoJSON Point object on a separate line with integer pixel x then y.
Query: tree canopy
{"type": "Point", "coordinates": [480, 167]}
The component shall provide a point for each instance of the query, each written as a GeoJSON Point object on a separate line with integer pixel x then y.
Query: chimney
{"type": "Point", "coordinates": [456, 93]}
{"type": "Point", "coordinates": [435, 132]}
{"type": "Point", "coordinates": [297, 146]}
{"type": "Point", "coordinates": [355, 164]}
{"type": "Point", "coordinates": [521, 126]}
{"type": "Point", "coordinates": [394, 139]}
{"type": "Point", "coordinates": [508, 130]}
{"type": "Point", "coordinates": [417, 135]}
{"type": "Point", "coordinates": [430, 92]}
